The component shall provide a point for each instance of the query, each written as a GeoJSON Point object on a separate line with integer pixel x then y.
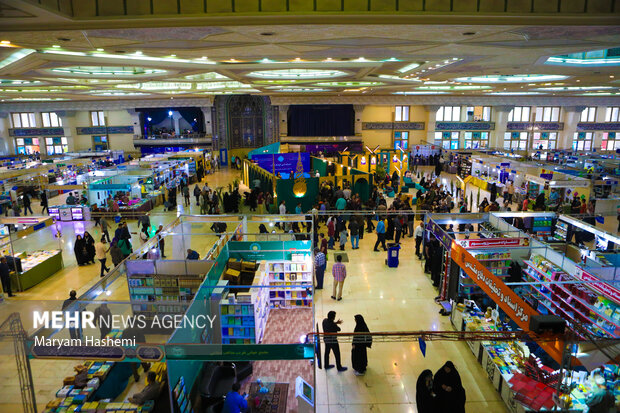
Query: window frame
{"type": "Point", "coordinates": [612, 114]}
{"type": "Point", "coordinates": [35, 142]}
{"type": "Point", "coordinates": [520, 110]}
{"type": "Point", "coordinates": [404, 137]}
{"type": "Point", "coordinates": [475, 143]}
{"type": "Point", "coordinates": [615, 142]}
{"type": "Point", "coordinates": [400, 111]}
{"type": "Point", "coordinates": [53, 120]}
{"type": "Point", "coordinates": [486, 112]}
{"type": "Point", "coordinates": [551, 142]}
{"type": "Point", "coordinates": [588, 141]}
{"type": "Point", "coordinates": [17, 118]}
{"type": "Point", "coordinates": [444, 118]}
{"type": "Point", "coordinates": [590, 114]}
{"type": "Point", "coordinates": [97, 118]}
{"type": "Point", "coordinates": [513, 143]}
{"type": "Point", "coordinates": [547, 114]}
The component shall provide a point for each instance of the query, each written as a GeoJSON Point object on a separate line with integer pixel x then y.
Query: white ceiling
{"type": "Point", "coordinates": [219, 59]}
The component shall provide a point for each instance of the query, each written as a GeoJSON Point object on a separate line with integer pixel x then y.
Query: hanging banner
{"type": "Point", "coordinates": [441, 235]}
{"type": "Point", "coordinates": [607, 290]}
{"type": "Point", "coordinates": [494, 242]}
{"type": "Point", "coordinates": [282, 162]}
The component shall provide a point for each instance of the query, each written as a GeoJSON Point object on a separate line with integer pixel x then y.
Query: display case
{"type": "Point", "coordinates": [35, 267]}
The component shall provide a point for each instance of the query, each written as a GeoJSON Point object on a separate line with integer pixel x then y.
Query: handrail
{"type": "Point", "coordinates": [196, 135]}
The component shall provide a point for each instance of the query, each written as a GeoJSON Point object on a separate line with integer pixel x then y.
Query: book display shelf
{"type": "Point", "coordinates": [576, 303]}
{"type": "Point", "coordinates": [163, 287]}
{"type": "Point", "coordinates": [296, 277]}
{"type": "Point", "coordinates": [498, 262]}
{"type": "Point", "coordinates": [244, 315]}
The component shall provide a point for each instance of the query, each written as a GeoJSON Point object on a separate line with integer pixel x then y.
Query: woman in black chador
{"type": "Point", "coordinates": [425, 399]}
{"type": "Point", "coordinates": [361, 344]}
{"type": "Point", "coordinates": [449, 389]}
{"type": "Point", "coordinates": [80, 250]}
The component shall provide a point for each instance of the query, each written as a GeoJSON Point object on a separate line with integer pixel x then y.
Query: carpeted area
{"type": "Point", "coordinates": [284, 326]}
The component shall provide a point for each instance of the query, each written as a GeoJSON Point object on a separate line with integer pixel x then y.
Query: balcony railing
{"type": "Point", "coordinates": [167, 139]}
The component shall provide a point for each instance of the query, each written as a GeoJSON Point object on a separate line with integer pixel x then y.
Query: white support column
{"type": "Point", "coordinates": [135, 121]}
{"type": "Point", "coordinates": [358, 119]}
{"type": "Point", "coordinates": [432, 115]}
{"type": "Point", "coordinates": [67, 117]}
{"type": "Point", "coordinates": [244, 225]}
{"type": "Point", "coordinates": [206, 112]}
{"type": "Point", "coordinates": [571, 115]}
{"type": "Point", "coordinates": [283, 114]}
{"type": "Point", "coordinates": [500, 117]}
{"type": "Point", "coordinates": [7, 143]}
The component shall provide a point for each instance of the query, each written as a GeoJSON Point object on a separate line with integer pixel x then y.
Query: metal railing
{"type": "Point", "coordinates": [193, 135]}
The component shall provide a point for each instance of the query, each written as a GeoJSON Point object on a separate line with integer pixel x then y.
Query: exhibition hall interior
{"type": "Point", "coordinates": [222, 206]}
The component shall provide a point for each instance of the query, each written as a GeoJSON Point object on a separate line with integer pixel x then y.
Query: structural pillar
{"type": "Point", "coordinates": [283, 119]}
{"type": "Point", "coordinates": [358, 119]}
{"type": "Point", "coordinates": [571, 115]}
{"type": "Point", "coordinates": [500, 117]}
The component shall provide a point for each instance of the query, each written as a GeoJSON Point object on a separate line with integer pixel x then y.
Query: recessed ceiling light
{"type": "Point", "coordinates": [100, 50]}
{"type": "Point", "coordinates": [55, 46]}
{"type": "Point", "coordinates": [5, 42]}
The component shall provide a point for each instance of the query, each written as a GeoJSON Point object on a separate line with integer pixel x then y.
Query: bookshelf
{"type": "Point", "coordinates": [155, 289]}
{"type": "Point", "coordinates": [244, 315]}
{"type": "Point", "coordinates": [576, 303]}
{"type": "Point", "coordinates": [496, 262]}
{"type": "Point", "coordinates": [295, 278]}
{"type": "Point", "coordinates": [542, 225]}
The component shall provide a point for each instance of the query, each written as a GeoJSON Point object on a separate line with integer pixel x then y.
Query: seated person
{"type": "Point", "coordinates": [235, 402]}
{"type": "Point", "coordinates": [71, 199]}
{"type": "Point", "coordinates": [81, 377]}
{"type": "Point", "coordinates": [150, 392]}
{"type": "Point", "coordinates": [192, 255]}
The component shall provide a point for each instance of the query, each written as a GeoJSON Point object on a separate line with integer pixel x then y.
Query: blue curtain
{"type": "Point", "coordinates": [321, 120]}
{"type": "Point", "coordinates": [189, 114]}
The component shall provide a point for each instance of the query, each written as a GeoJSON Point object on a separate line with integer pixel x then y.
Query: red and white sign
{"type": "Point", "coordinates": [494, 242]}
{"type": "Point", "coordinates": [607, 290]}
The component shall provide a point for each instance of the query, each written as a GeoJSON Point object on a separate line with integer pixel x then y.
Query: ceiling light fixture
{"type": "Point", "coordinates": [296, 73]}
{"type": "Point", "coordinates": [510, 78]}
{"type": "Point", "coordinates": [408, 68]}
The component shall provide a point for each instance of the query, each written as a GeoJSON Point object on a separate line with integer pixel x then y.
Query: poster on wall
{"type": "Point", "coordinates": [283, 162]}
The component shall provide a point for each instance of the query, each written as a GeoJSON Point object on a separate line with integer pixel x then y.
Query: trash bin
{"type": "Point", "coordinates": [392, 250]}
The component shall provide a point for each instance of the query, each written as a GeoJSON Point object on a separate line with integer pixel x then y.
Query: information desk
{"type": "Point", "coordinates": [69, 212]}
{"type": "Point", "coordinates": [36, 267]}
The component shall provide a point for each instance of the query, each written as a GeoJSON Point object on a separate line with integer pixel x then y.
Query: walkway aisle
{"type": "Point", "coordinates": [392, 299]}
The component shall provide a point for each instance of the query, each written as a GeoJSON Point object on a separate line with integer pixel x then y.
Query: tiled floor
{"type": "Point", "coordinates": [391, 299]}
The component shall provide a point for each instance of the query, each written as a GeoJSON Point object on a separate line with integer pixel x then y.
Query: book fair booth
{"type": "Point", "coordinates": [501, 279]}
{"type": "Point", "coordinates": [29, 267]}
{"type": "Point", "coordinates": [243, 309]}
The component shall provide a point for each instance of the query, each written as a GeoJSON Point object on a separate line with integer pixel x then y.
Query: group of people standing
{"type": "Point", "coordinates": [359, 346]}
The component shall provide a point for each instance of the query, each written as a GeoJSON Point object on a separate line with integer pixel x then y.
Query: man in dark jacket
{"type": "Point", "coordinates": [5, 277]}
{"type": "Point", "coordinates": [331, 343]}
{"type": "Point", "coordinates": [150, 392]}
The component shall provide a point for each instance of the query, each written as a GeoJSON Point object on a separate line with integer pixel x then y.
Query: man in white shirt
{"type": "Point", "coordinates": [282, 210]}
{"type": "Point", "coordinates": [419, 234]}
